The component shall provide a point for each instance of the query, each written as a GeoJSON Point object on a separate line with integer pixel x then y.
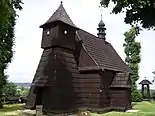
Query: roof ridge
{"type": "Point", "coordinates": [94, 36]}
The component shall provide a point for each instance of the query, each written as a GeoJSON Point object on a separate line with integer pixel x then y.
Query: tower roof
{"type": "Point", "coordinates": [101, 23]}
{"type": "Point", "coordinates": [60, 15]}
{"type": "Point", "coordinates": [101, 30]}
{"type": "Point", "coordinates": [145, 82]}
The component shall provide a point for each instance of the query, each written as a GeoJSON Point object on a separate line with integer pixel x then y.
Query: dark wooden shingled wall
{"type": "Point", "coordinates": [69, 89]}
{"type": "Point", "coordinates": [106, 79]}
{"type": "Point", "coordinates": [121, 91]}
{"type": "Point", "coordinates": [33, 97]}
{"type": "Point", "coordinates": [60, 79]}
{"type": "Point", "coordinates": [59, 94]}
{"type": "Point", "coordinates": [89, 90]}
{"type": "Point", "coordinates": [59, 89]}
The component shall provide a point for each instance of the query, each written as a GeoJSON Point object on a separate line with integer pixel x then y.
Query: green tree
{"type": "Point", "coordinates": [9, 89]}
{"type": "Point", "coordinates": [136, 96]}
{"type": "Point", "coordinates": [132, 50]}
{"type": "Point", "coordinates": [153, 95]}
{"type": "Point", "coordinates": [25, 92]}
{"type": "Point", "coordinates": [153, 77]}
{"type": "Point", "coordinates": [139, 12]}
{"type": "Point", "coordinates": [4, 11]}
{"type": "Point", "coordinates": [22, 91]}
{"type": "Point", "coordinates": [7, 22]}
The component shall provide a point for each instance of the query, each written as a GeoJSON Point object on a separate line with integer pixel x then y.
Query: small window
{"type": "Point", "coordinates": [48, 32]}
{"type": "Point", "coordinates": [55, 56]}
{"type": "Point", "coordinates": [65, 32]}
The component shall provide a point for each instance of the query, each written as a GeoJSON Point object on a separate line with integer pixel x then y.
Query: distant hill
{"type": "Point", "coordinates": [26, 85]}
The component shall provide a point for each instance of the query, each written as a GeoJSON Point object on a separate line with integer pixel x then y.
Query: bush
{"type": "Point", "coordinates": [153, 95]}
{"type": "Point", "coordinates": [136, 96]}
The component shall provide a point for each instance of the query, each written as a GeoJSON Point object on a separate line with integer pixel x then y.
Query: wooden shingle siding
{"type": "Point", "coordinates": [121, 97]}
{"type": "Point", "coordinates": [82, 85]}
{"type": "Point", "coordinates": [121, 80]}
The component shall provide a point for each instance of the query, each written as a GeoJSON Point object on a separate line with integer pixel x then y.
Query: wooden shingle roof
{"type": "Point", "coordinates": [145, 82]}
{"type": "Point", "coordinates": [60, 15]}
{"type": "Point", "coordinates": [121, 80]}
{"type": "Point", "coordinates": [102, 52]}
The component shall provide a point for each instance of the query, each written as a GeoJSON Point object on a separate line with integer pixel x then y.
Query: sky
{"type": "Point", "coordinates": [86, 15]}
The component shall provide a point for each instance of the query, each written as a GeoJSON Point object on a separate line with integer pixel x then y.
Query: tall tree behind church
{"type": "Point", "coordinates": [8, 17]}
{"type": "Point", "coordinates": [138, 12]}
{"type": "Point", "coordinates": [132, 49]}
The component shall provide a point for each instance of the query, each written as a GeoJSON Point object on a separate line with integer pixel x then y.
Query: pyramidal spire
{"type": "Point", "coordinates": [60, 15]}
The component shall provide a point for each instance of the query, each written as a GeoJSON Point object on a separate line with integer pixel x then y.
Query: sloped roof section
{"type": "Point", "coordinates": [103, 52]}
{"type": "Point", "coordinates": [60, 15]}
{"type": "Point", "coordinates": [145, 82]}
{"type": "Point", "coordinates": [121, 80]}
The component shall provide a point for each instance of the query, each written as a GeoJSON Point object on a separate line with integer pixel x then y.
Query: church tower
{"type": "Point", "coordinates": [59, 30]}
{"type": "Point", "coordinates": [52, 86]}
{"type": "Point", "coordinates": [101, 29]}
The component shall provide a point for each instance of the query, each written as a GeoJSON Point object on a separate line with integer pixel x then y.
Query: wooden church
{"type": "Point", "coordinates": [78, 70]}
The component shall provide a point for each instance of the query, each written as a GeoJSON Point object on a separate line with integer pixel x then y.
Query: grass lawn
{"type": "Point", "coordinates": [10, 110]}
{"type": "Point", "coordinates": [145, 109]}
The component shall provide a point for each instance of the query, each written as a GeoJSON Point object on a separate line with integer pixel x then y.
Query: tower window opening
{"type": "Point", "coordinates": [48, 32]}
{"type": "Point", "coordinates": [65, 32]}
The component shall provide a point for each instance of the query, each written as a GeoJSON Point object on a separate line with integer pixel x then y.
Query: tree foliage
{"type": "Point", "coordinates": [132, 50]}
{"type": "Point", "coordinates": [138, 12]}
{"type": "Point", "coordinates": [153, 77]}
{"type": "Point", "coordinates": [7, 22]}
{"type": "Point", "coordinates": [153, 95]}
{"type": "Point", "coordinates": [5, 11]}
{"type": "Point", "coordinates": [22, 91]}
{"type": "Point", "coordinates": [25, 92]}
{"type": "Point", "coordinates": [136, 96]}
{"type": "Point", "coordinates": [9, 89]}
